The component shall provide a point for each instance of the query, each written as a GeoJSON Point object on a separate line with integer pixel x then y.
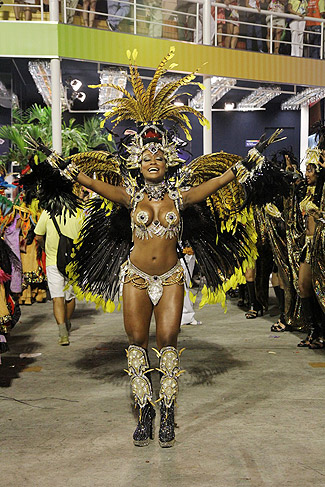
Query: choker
{"type": "Point", "coordinates": [156, 191]}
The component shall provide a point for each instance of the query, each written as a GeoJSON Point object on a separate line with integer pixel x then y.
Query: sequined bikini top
{"type": "Point", "coordinates": [139, 221]}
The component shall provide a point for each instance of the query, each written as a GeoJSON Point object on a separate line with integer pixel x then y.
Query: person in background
{"type": "Point", "coordinates": [63, 300]}
{"type": "Point", "coordinates": [89, 14]}
{"type": "Point", "coordinates": [156, 18]}
{"type": "Point", "coordinates": [278, 24]}
{"type": "Point", "coordinates": [253, 27]}
{"type": "Point", "coordinates": [297, 27]}
{"type": "Point", "coordinates": [316, 8]}
{"type": "Point", "coordinates": [119, 10]}
{"type": "Point", "coordinates": [221, 21]}
{"type": "Point", "coordinates": [186, 20]}
{"type": "Point", "coordinates": [188, 314]}
{"type": "Point", "coordinates": [232, 16]}
{"type": "Point", "coordinates": [70, 10]}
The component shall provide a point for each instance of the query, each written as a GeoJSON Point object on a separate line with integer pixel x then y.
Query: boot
{"type": "Point", "coordinates": [167, 425]}
{"type": "Point", "coordinates": [255, 307]}
{"type": "Point", "coordinates": [138, 370]}
{"type": "Point", "coordinates": [169, 367]}
{"type": "Point", "coordinates": [307, 306]}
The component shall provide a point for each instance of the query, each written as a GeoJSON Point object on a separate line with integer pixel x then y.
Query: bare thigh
{"type": "Point", "coordinates": [304, 280]}
{"type": "Point", "coordinates": [168, 313]}
{"type": "Point", "coordinates": [137, 312]}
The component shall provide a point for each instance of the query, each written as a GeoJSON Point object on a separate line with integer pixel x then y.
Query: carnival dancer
{"type": "Point", "coordinates": [153, 204]}
{"type": "Point", "coordinates": [311, 207]}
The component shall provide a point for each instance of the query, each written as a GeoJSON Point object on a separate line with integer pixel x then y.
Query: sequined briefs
{"type": "Point", "coordinates": [154, 284]}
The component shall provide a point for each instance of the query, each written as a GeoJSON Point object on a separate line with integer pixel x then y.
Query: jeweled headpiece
{"type": "Point", "coordinates": [149, 108]}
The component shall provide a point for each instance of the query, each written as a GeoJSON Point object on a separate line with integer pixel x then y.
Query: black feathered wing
{"type": "Point", "coordinates": [103, 245]}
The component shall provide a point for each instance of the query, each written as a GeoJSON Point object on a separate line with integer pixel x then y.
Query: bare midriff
{"type": "Point", "coordinates": [154, 256]}
{"type": "Point", "coordinates": [310, 226]}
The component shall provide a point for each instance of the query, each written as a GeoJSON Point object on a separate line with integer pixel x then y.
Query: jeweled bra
{"type": "Point", "coordinates": [138, 222]}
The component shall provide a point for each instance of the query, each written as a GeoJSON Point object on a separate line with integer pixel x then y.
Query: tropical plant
{"type": "Point", "coordinates": [96, 136]}
{"type": "Point", "coordinates": [36, 122]}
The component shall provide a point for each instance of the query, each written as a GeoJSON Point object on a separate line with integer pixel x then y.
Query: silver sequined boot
{"type": "Point", "coordinates": [169, 367]}
{"type": "Point", "coordinates": [138, 370]}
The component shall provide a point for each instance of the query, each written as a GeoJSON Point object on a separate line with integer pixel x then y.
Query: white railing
{"type": "Point", "coordinates": [163, 22]}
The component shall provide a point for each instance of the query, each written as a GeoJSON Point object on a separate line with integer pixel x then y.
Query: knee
{"type": "Point", "coordinates": [305, 290]}
{"type": "Point", "coordinates": [138, 339]}
{"type": "Point", "coordinates": [167, 340]}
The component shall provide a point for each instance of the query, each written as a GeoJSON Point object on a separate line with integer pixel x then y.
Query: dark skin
{"type": "Point", "coordinates": [156, 255]}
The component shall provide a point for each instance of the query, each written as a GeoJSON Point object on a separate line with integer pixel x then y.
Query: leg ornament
{"type": "Point", "coordinates": [138, 370]}
{"type": "Point", "coordinates": [169, 367]}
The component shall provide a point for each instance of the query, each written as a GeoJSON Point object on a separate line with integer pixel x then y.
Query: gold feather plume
{"type": "Point", "coordinates": [148, 105]}
{"type": "Point", "coordinates": [227, 200]}
{"type": "Point", "coordinates": [105, 166]}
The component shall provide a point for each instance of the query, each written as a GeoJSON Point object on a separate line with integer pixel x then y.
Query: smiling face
{"type": "Point", "coordinates": [311, 175]}
{"type": "Point", "coordinates": [153, 166]}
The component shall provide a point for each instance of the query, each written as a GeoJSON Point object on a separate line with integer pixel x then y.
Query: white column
{"type": "Point", "coordinates": [304, 131]}
{"type": "Point", "coordinates": [207, 132]}
{"type": "Point", "coordinates": [56, 87]}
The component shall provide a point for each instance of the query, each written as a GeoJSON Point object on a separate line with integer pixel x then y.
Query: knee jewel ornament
{"type": "Point", "coordinates": [169, 366]}
{"type": "Point", "coordinates": [138, 367]}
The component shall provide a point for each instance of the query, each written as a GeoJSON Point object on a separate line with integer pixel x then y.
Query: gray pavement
{"type": "Point", "coordinates": [251, 406]}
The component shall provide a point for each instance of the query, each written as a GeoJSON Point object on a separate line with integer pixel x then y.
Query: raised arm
{"type": "Point", "coordinates": [117, 194]}
{"type": "Point", "coordinates": [201, 192]}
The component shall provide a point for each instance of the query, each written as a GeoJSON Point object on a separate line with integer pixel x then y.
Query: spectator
{"type": "Point", "coordinates": [221, 21]}
{"type": "Point", "coordinates": [71, 6]}
{"type": "Point", "coordinates": [316, 8]}
{"type": "Point", "coordinates": [156, 18]}
{"type": "Point", "coordinates": [185, 21]}
{"type": "Point", "coordinates": [119, 10]}
{"type": "Point", "coordinates": [278, 24]}
{"type": "Point", "coordinates": [25, 8]}
{"type": "Point", "coordinates": [297, 27]}
{"type": "Point", "coordinates": [232, 25]}
{"type": "Point", "coordinates": [188, 314]}
{"type": "Point", "coordinates": [63, 300]}
{"type": "Point", "coordinates": [89, 7]}
{"type": "Point", "coordinates": [253, 26]}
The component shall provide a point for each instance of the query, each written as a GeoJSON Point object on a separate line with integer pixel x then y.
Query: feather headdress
{"type": "Point", "coordinates": [149, 108]}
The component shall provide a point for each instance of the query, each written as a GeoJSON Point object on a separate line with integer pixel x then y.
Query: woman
{"type": "Point", "coordinates": [278, 24]}
{"type": "Point", "coordinates": [309, 206]}
{"type": "Point", "coordinates": [153, 204]}
{"type": "Point", "coordinates": [89, 12]}
{"type": "Point", "coordinates": [232, 19]}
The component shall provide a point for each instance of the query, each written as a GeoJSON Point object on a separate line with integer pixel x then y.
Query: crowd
{"type": "Point", "coordinates": [249, 30]}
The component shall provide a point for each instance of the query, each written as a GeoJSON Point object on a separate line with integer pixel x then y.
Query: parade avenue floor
{"type": "Point", "coordinates": [251, 408]}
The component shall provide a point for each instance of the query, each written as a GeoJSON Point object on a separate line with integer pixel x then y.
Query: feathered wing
{"type": "Point", "coordinates": [104, 165]}
{"type": "Point", "coordinates": [227, 200]}
{"type": "Point", "coordinates": [220, 231]}
{"type": "Point", "coordinates": [103, 245]}
{"type": "Point", "coordinates": [54, 192]}
{"type": "Point", "coordinates": [223, 253]}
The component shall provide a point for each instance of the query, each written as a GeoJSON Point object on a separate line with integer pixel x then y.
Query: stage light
{"type": "Point", "coordinates": [75, 84]}
{"type": "Point", "coordinates": [229, 106]}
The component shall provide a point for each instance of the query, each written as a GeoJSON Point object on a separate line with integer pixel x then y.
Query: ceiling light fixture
{"type": "Point", "coordinates": [229, 106]}
{"type": "Point", "coordinates": [41, 74]}
{"type": "Point", "coordinates": [75, 84]}
{"type": "Point", "coordinates": [219, 87]}
{"type": "Point", "coordinates": [305, 97]}
{"type": "Point", "coordinates": [258, 98]}
{"type": "Point", "coordinates": [110, 75]}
